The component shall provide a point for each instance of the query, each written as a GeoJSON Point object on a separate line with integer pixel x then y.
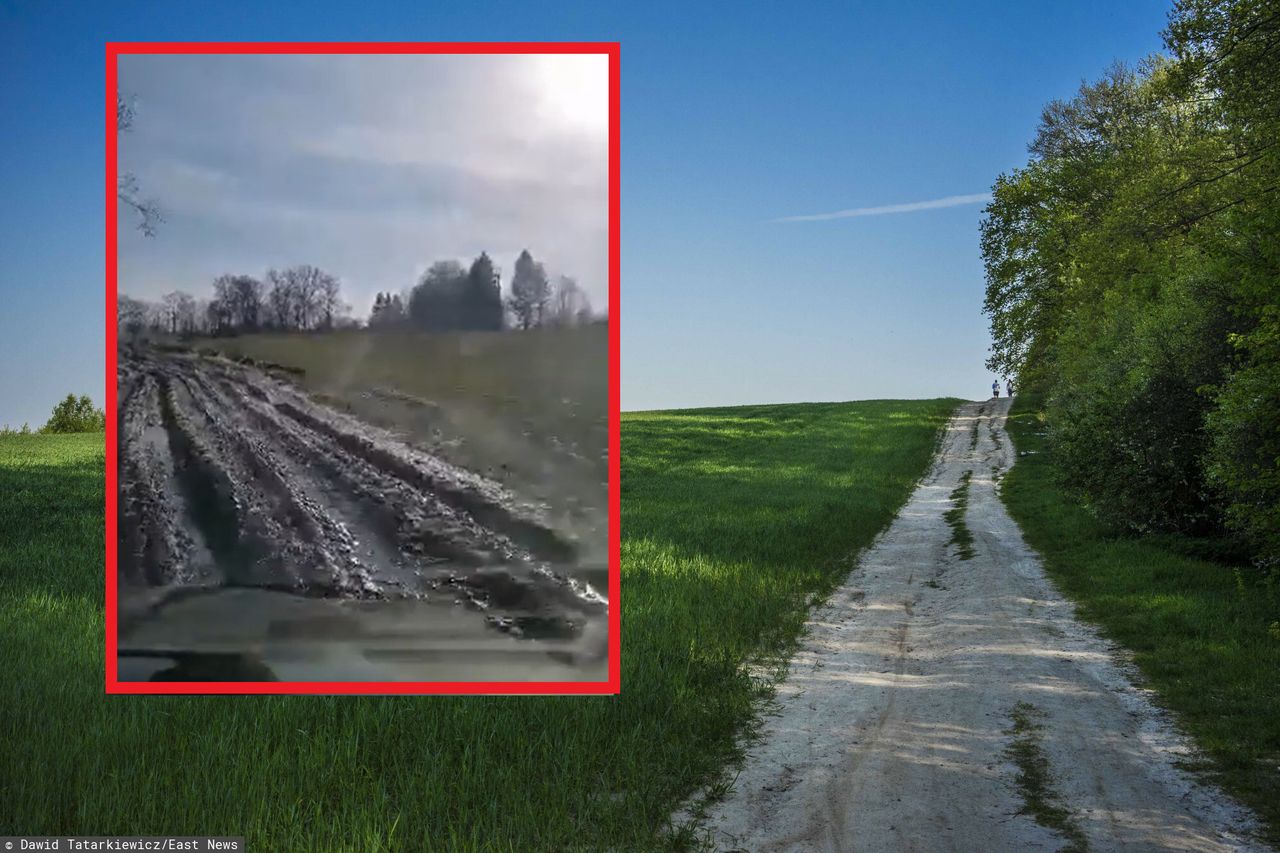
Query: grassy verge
{"type": "Point", "coordinates": [1040, 797]}
{"type": "Point", "coordinates": [1200, 639]}
{"type": "Point", "coordinates": [733, 520]}
{"type": "Point", "coordinates": [961, 535]}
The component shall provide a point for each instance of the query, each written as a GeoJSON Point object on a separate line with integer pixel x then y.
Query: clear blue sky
{"type": "Point", "coordinates": [731, 117]}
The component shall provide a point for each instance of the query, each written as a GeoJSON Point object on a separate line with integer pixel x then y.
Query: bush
{"type": "Point", "coordinates": [76, 414]}
{"type": "Point", "coordinates": [1129, 429]}
{"type": "Point", "coordinates": [1244, 455]}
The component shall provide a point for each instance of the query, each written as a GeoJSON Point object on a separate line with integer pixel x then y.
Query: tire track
{"type": "Point", "coordinates": [156, 547]}
{"type": "Point", "coordinates": [232, 477]}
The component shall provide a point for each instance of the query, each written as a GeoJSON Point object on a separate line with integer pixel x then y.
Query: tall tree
{"type": "Point", "coordinates": [435, 303]}
{"type": "Point", "coordinates": [240, 297]}
{"type": "Point", "coordinates": [568, 305]}
{"type": "Point", "coordinates": [131, 315]}
{"type": "Point", "coordinates": [388, 311]}
{"type": "Point", "coordinates": [481, 307]}
{"type": "Point", "coordinates": [529, 292]}
{"type": "Point", "coordinates": [218, 318]}
{"type": "Point", "coordinates": [328, 299]}
{"type": "Point", "coordinates": [179, 312]}
{"type": "Point", "coordinates": [1131, 276]}
{"type": "Point", "coordinates": [280, 299]}
{"type": "Point", "coordinates": [1229, 55]}
{"type": "Point", "coordinates": [303, 297]}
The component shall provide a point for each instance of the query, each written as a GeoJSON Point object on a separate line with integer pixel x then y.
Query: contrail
{"type": "Point", "coordinates": [949, 201]}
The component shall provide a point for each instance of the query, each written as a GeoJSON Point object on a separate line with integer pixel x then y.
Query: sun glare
{"type": "Point", "coordinates": [574, 90]}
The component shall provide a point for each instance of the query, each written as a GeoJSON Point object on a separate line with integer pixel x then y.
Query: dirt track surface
{"type": "Point", "coordinates": [894, 726]}
{"type": "Point", "coordinates": [230, 477]}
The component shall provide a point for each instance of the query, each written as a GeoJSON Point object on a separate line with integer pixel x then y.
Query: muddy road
{"type": "Point", "coordinates": [942, 703]}
{"type": "Point", "coordinates": [231, 478]}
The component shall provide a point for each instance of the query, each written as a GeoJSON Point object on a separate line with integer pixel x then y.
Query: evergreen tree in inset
{"type": "Point", "coordinates": [482, 297]}
{"type": "Point", "coordinates": [529, 292]}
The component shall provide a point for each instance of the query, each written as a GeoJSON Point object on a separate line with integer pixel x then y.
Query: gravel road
{"type": "Point", "coordinates": [942, 703]}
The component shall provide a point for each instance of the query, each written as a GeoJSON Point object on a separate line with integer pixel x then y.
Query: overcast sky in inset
{"type": "Point", "coordinates": [370, 167]}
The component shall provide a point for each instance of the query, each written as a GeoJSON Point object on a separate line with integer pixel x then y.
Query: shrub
{"type": "Point", "coordinates": [1243, 460]}
{"type": "Point", "coordinates": [76, 414]}
{"type": "Point", "coordinates": [1129, 430]}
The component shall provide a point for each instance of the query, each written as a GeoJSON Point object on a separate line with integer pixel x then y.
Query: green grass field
{"type": "Point", "coordinates": [1201, 640]}
{"type": "Point", "coordinates": [733, 520]}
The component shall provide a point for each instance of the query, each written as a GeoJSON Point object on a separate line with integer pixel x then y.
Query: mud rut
{"type": "Point", "coordinates": [932, 687]}
{"type": "Point", "coordinates": [231, 476]}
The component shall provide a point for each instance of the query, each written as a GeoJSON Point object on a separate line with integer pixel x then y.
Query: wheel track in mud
{"type": "Point", "coordinates": [232, 477]}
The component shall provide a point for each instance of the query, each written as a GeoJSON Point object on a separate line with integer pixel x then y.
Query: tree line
{"type": "Point", "coordinates": [300, 298]}
{"type": "Point", "coordinates": [72, 414]}
{"type": "Point", "coordinates": [450, 296]}
{"type": "Point", "coordinates": [1133, 278]}
{"type": "Point", "coordinates": [447, 297]}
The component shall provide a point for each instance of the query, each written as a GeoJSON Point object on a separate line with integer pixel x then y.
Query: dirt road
{"type": "Point", "coordinates": [231, 477]}
{"type": "Point", "coordinates": [942, 703]}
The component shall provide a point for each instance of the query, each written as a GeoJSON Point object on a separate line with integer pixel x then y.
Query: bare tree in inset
{"type": "Point", "coordinates": [218, 317]}
{"type": "Point", "coordinates": [569, 305]}
{"type": "Point", "coordinates": [200, 317]}
{"type": "Point", "coordinates": [131, 315]}
{"type": "Point", "coordinates": [328, 299]}
{"type": "Point", "coordinates": [280, 300]}
{"type": "Point", "coordinates": [148, 210]}
{"type": "Point", "coordinates": [179, 312]}
{"type": "Point", "coordinates": [240, 301]}
{"type": "Point", "coordinates": [303, 297]}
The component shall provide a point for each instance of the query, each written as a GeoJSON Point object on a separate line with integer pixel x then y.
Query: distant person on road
{"type": "Point", "coordinates": [995, 388]}
{"type": "Point", "coordinates": [1008, 387]}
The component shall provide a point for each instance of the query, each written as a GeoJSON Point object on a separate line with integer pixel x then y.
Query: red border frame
{"type": "Point", "coordinates": [613, 684]}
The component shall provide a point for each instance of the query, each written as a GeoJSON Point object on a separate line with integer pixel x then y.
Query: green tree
{"type": "Point", "coordinates": [76, 414]}
{"type": "Point", "coordinates": [1133, 275]}
{"type": "Point", "coordinates": [1231, 50]}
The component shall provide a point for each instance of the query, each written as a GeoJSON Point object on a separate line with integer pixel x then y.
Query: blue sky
{"type": "Point", "coordinates": [731, 118]}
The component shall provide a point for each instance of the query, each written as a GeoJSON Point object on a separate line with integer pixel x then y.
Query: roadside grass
{"type": "Point", "coordinates": [1200, 639]}
{"type": "Point", "coordinates": [1041, 799]}
{"type": "Point", "coordinates": [961, 535]}
{"type": "Point", "coordinates": [734, 520]}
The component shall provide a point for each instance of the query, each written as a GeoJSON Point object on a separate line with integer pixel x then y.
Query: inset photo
{"type": "Point", "coordinates": [362, 311]}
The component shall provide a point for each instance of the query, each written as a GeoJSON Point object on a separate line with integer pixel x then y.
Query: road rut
{"type": "Point", "coordinates": [231, 477]}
